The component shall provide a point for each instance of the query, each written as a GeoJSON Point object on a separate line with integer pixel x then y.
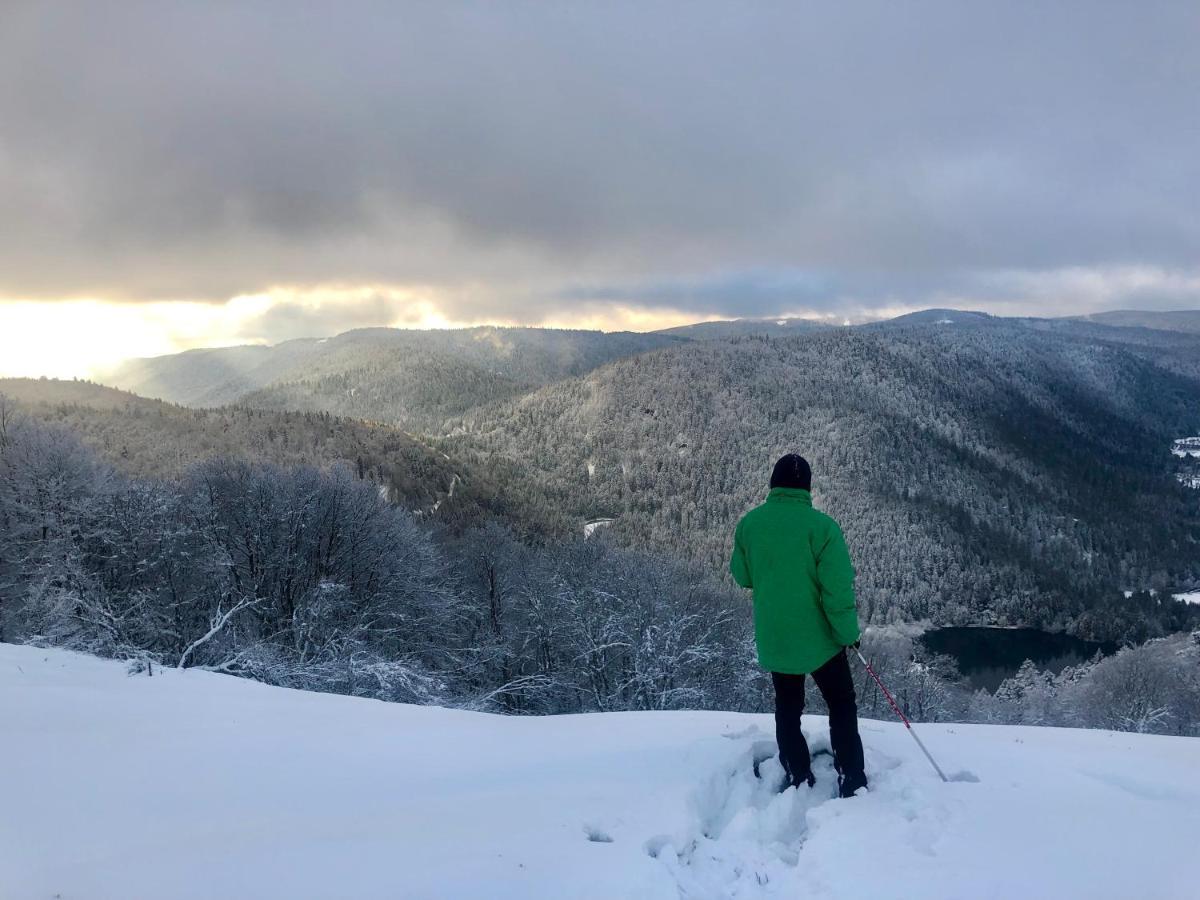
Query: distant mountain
{"type": "Point", "coordinates": [707, 331]}
{"type": "Point", "coordinates": [1177, 351]}
{"type": "Point", "coordinates": [990, 473]}
{"type": "Point", "coordinates": [1185, 320]}
{"type": "Point", "coordinates": [210, 376]}
{"type": "Point", "coordinates": [411, 378]}
{"type": "Point", "coordinates": [417, 379]}
{"type": "Point", "coordinates": [151, 438]}
{"type": "Point", "coordinates": [941, 317]}
{"type": "Point", "coordinates": [987, 469]}
{"type": "Point", "coordinates": [60, 394]}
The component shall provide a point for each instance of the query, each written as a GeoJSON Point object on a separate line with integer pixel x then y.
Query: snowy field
{"type": "Point", "coordinates": [195, 785]}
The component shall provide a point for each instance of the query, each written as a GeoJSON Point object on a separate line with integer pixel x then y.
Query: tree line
{"type": "Point", "coordinates": [310, 577]}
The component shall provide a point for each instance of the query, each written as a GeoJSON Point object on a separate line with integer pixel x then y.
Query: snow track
{"type": "Point", "coordinates": [747, 839]}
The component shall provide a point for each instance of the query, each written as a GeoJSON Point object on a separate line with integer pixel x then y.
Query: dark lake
{"type": "Point", "coordinates": [987, 655]}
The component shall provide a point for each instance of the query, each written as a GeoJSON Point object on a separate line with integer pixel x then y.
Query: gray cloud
{"type": "Point", "coordinates": [511, 153]}
{"type": "Point", "coordinates": [752, 293]}
{"type": "Point", "coordinates": [282, 321]}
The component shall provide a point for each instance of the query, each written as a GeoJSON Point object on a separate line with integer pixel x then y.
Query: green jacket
{"type": "Point", "coordinates": [795, 559]}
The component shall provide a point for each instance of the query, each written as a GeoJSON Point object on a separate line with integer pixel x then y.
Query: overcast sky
{"type": "Point", "coordinates": [218, 172]}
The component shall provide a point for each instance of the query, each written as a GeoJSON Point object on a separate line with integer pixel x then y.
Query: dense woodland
{"type": "Point", "coordinates": [991, 475]}
{"type": "Point", "coordinates": [309, 578]}
{"type": "Point", "coordinates": [990, 472]}
{"type": "Point", "coordinates": [412, 379]}
{"type": "Point", "coordinates": [152, 439]}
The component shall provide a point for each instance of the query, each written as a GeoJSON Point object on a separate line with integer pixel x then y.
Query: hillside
{"type": "Point", "coordinates": [55, 392]}
{"type": "Point", "coordinates": [956, 317]}
{"type": "Point", "coordinates": [983, 474]}
{"type": "Point", "coordinates": [153, 439]}
{"type": "Point", "coordinates": [382, 374]}
{"type": "Point", "coordinates": [987, 470]}
{"type": "Point", "coordinates": [189, 784]}
{"type": "Point", "coordinates": [1182, 320]}
{"type": "Point", "coordinates": [709, 331]}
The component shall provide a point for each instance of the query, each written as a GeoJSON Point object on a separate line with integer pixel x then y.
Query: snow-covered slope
{"type": "Point", "coordinates": [191, 784]}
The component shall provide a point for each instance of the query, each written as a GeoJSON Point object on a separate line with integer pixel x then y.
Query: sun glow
{"type": "Point", "coordinates": [86, 337]}
{"type": "Point", "coordinates": [78, 338]}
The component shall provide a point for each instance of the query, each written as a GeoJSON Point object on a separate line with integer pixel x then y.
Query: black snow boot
{"type": "Point", "coordinates": [849, 784]}
{"type": "Point", "coordinates": [810, 780]}
{"type": "Point", "coordinates": [791, 780]}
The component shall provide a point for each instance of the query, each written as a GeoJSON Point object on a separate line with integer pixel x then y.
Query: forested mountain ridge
{"type": "Point", "coordinates": [418, 379]}
{"type": "Point", "coordinates": [984, 470]}
{"type": "Point", "coordinates": [153, 439]}
{"type": "Point", "coordinates": [939, 316]}
{"type": "Point", "coordinates": [983, 474]}
{"type": "Point", "coordinates": [410, 378]}
{"type": "Point", "coordinates": [1026, 461]}
{"type": "Point", "coordinates": [1181, 320]}
{"type": "Point", "coordinates": [727, 328]}
{"type": "Point", "coordinates": [1177, 351]}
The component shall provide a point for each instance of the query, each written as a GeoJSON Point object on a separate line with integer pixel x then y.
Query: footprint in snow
{"type": "Point", "coordinates": [597, 835]}
{"type": "Point", "coordinates": [745, 833]}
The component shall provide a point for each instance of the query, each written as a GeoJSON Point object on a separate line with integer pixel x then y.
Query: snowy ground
{"type": "Point", "coordinates": [1188, 446]}
{"type": "Point", "coordinates": [195, 785]}
{"type": "Point", "coordinates": [1188, 597]}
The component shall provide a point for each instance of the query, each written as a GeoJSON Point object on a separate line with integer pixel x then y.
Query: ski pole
{"type": "Point", "coordinates": [903, 718]}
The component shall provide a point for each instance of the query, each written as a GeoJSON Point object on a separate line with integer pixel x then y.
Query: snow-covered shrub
{"type": "Point", "coordinates": [1149, 689]}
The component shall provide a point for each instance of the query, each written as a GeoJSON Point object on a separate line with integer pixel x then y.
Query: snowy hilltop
{"type": "Point", "coordinates": [188, 784]}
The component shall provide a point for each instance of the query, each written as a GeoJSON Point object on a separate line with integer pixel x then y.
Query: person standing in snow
{"type": "Point", "coordinates": [795, 560]}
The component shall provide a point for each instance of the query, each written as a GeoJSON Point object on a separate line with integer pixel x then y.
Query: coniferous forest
{"type": "Point", "coordinates": [411, 525]}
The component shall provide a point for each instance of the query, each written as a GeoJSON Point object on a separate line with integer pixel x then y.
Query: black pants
{"type": "Point", "coordinates": [837, 687]}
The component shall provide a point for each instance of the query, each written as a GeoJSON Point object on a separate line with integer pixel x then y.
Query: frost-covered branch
{"type": "Point", "coordinates": [219, 621]}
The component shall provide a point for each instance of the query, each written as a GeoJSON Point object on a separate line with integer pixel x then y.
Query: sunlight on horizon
{"type": "Point", "coordinates": [85, 338]}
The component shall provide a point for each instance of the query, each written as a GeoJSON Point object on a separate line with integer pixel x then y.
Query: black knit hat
{"type": "Point", "coordinates": [792, 471]}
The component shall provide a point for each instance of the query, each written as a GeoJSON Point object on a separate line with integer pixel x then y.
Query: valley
{"type": "Point", "coordinates": [557, 510]}
{"type": "Point", "coordinates": [988, 471]}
